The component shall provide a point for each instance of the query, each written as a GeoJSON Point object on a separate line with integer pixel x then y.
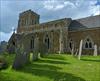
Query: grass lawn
{"type": "Point", "coordinates": [55, 67]}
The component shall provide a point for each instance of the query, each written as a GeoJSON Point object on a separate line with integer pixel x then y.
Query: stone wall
{"type": "Point", "coordinates": [54, 41]}
{"type": "Point", "coordinates": [93, 33]}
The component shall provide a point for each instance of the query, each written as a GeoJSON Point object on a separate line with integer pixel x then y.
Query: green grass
{"type": "Point", "coordinates": [55, 67]}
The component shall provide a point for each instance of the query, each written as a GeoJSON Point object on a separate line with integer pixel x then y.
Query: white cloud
{"type": "Point", "coordinates": [5, 36]}
{"type": "Point", "coordinates": [56, 4]}
{"type": "Point", "coordinates": [80, 7]}
{"type": "Point", "coordinates": [95, 10]}
{"type": "Point", "coordinates": [47, 9]}
{"type": "Point", "coordinates": [68, 3]}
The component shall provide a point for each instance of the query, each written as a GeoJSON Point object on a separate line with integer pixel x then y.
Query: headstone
{"type": "Point", "coordinates": [61, 42]}
{"type": "Point", "coordinates": [95, 50]}
{"type": "Point", "coordinates": [72, 50]}
{"type": "Point", "coordinates": [21, 58]}
{"type": "Point", "coordinates": [18, 61]}
{"type": "Point", "coordinates": [36, 49]}
{"type": "Point", "coordinates": [35, 56]}
{"type": "Point", "coordinates": [80, 49]}
{"type": "Point", "coordinates": [76, 52]}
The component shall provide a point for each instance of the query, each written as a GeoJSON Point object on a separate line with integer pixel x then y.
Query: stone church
{"type": "Point", "coordinates": [57, 36]}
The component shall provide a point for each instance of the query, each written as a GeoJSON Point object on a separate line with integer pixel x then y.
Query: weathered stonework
{"type": "Point", "coordinates": [76, 36]}
{"type": "Point", "coordinates": [53, 36]}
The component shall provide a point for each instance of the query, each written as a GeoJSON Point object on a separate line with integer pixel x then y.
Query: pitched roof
{"type": "Point", "coordinates": [83, 23]}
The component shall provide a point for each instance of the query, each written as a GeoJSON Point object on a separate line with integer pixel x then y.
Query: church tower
{"type": "Point", "coordinates": [26, 19]}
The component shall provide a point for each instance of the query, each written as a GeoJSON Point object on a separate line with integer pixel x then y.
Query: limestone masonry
{"type": "Point", "coordinates": [58, 36]}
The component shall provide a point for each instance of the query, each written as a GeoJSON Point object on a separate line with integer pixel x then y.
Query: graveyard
{"type": "Point", "coordinates": [53, 67]}
{"type": "Point", "coordinates": [50, 40]}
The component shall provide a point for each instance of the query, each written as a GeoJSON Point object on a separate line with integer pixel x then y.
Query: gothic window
{"type": "Point", "coordinates": [32, 43]}
{"type": "Point", "coordinates": [13, 43]}
{"type": "Point", "coordinates": [47, 41]}
{"type": "Point", "coordinates": [71, 44]}
{"type": "Point", "coordinates": [26, 22]}
{"type": "Point", "coordinates": [88, 43]}
{"type": "Point", "coordinates": [32, 22]}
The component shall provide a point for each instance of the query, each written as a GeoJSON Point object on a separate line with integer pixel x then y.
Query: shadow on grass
{"type": "Point", "coordinates": [50, 61]}
{"type": "Point", "coordinates": [90, 60]}
{"type": "Point", "coordinates": [50, 71]}
{"type": "Point", "coordinates": [32, 66]}
{"type": "Point", "coordinates": [55, 56]}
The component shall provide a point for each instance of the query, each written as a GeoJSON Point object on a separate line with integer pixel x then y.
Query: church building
{"type": "Point", "coordinates": [57, 36]}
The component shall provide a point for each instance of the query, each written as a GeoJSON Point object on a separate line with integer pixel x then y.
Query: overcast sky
{"type": "Point", "coordinates": [47, 9]}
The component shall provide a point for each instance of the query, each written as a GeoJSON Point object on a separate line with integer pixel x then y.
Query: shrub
{"type": "Point", "coordinates": [3, 63]}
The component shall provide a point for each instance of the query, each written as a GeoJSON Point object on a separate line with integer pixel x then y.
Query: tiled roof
{"type": "Point", "coordinates": [83, 23]}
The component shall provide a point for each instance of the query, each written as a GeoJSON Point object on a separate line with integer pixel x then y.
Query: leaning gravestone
{"type": "Point", "coordinates": [95, 50]}
{"type": "Point", "coordinates": [76, 52]}
{"type": "Point", "coordinates": [80, 49]}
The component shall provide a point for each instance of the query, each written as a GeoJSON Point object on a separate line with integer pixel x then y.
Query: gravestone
{"type": "Point", "coordinates": [36, 49]}
{"type": "Point", "coordinates": [21, 58]}
{"type": "Point", "coordinates": [72, 50]}
{"type": "Point", "coordinates": [80, 49]}
{"type": "Point", "coordinates": [76, 52]}
{"type": "Point", "coordinates": [95, 50]}
{"type": "Point", "coordinates": [18, 62]}
{"type": "Point", "coordinates": [61, 42]}
{"type": "Point", "coordinates": [35, 56]}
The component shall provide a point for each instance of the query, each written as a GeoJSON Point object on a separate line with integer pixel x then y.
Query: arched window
{"type": "Point", "coordinates": [71, 44]}
{"type": "Point", "coordinates": [88, 43]}
{"type": "Point", "coordinates": [32, 43]}
{"type": "Point", "coordinates": [13, 43]}
{"type": "Point", "coordinates": [47, 41]}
